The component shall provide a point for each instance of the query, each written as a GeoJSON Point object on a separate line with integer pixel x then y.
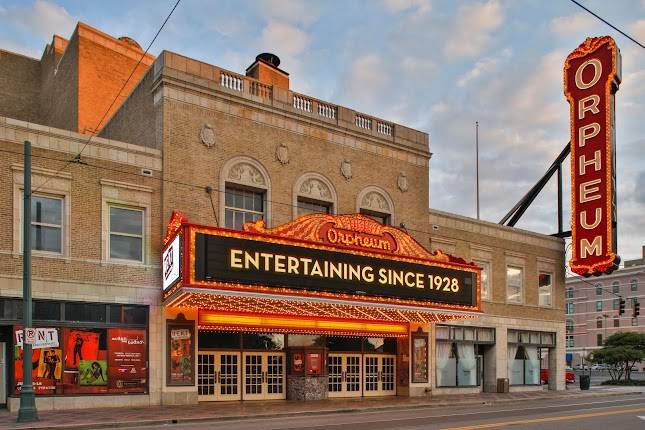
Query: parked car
{"type": "Point", "coordinates": [599, 367]}
{"type": "Point", "coordinates": [569, 376]}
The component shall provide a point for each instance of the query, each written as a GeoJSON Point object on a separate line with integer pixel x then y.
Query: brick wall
{"type": "Point", "coordinates": [19, 86]}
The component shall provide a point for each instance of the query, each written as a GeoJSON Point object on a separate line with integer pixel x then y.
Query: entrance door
{"type": "Point", "coordinates": [218, 375]}
{"type": "Point", "coordinates": [345, 375]}
{"type": "Point", "coordinates": [3, 373]}
{"type": "Point", "coordinates": [263, 376]}
{"type": "Point", "coordinates": [379, 375]}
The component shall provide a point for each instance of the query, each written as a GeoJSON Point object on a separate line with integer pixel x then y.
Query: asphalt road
{"type": "Point", "coordinates": [598, 376]}
{"type": "Point", "coordinates": [615, 413]}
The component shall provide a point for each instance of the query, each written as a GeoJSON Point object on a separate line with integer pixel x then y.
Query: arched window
{"type": "Point", "coordinates": [245, 191]}
{"type": "Point", "coordinates": [313, 193]}
{"type": "Point", "coordinates": [377, 204]}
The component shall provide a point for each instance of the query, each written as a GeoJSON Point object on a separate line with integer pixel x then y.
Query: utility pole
{"type": "Point", "coordinates": [27, 411]}
{"type": "Point", "coordinates": [477, 162]}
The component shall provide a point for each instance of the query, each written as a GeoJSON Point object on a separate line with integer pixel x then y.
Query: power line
{"type": "Point", "coordinates": [77, 158]}
{"type": "Point", "coordinates": [609, 24]}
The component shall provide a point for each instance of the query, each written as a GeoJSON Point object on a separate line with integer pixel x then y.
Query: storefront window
{"type": "Point", "coordinates": [218, 340]}
{"type": "Point", "coordinates": [456, 364]}
{"type": "Point", "coordinates": [379, 344]}
{"type": "Point", "coordinates": [46, 310]}
{"type": "Point", "coordinates": [344, 344]}
{"type": "Point", "coordinates": [124, 314]}
{"type": "Point", "coordinates": [305, 340]}
{"type": "Point", "coordinates": [264, 341]}
{"type": "Point", "coordinates": [86, 312]}
{"type": "Point", "coordinates": [523, 365]}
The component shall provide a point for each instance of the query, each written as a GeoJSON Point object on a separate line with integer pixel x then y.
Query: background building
{"type": "Point", "coordinates": [225, 149]}
{"type": "Point", "coordinates": [592, 308]}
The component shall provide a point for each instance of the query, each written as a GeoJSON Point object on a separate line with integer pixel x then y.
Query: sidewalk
{"type": "Point", "coordinates": [158, 415]}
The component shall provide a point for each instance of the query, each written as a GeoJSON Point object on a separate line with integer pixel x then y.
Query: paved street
{"type": "Point", "coordinates": [619, 412]}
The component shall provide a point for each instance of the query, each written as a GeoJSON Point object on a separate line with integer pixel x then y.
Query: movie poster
{"type": "Point", "coordinates": [127, 360]}
{"type": "Point", "coordinates": [80, 345]}
{"type": "Point", "coordinates": [419, 358]}
{"type": "Point", "coordinates": [46, 373]}
{"type": "Point", "coordinates": [92, 372]}
{"type": "Point", "coordinates": [181, 362]}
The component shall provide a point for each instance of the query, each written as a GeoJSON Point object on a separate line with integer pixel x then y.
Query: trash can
{"type": "Point", "coordinates": [502, 385]}
{"type": "Point", "coordinates": [585, 381]}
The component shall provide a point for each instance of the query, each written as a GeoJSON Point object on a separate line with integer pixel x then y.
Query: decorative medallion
{"type": "Point", "coordinates": [402, 182]}
{"type": "Point", "coordinates": [376, 202]}
{"type": "Point", "coordinates": [316, 189]}
{"type": "Point", "coordinates": [282, 154]}
{"type": "Point", "coordinates": [245, 173]}
{"type": "Point", "coordinates": [207, 136]}
{"type": "Point", "coordinates": [346, 169]}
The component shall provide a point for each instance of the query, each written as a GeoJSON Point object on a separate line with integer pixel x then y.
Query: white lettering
{"type": "Point", "coordinates": [583, 163]}
{"type": "Point", "coordinates": [597, 219]}
{"type": "Point", "coordinates": [586, 191]}
{"type": "Point", "coordinates": [236, 261]}
{"type": "Point", "coordinates": [583, 107]}
{"type": "Point", "coordinates": [597, 71]}
{"type": "Point", "coordinates": [593, 248]}
{"type": "Point", "coordinates": [583, 136]}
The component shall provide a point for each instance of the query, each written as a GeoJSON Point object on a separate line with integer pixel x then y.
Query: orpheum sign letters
{"type": "Point", "coordinates": [591, 77]}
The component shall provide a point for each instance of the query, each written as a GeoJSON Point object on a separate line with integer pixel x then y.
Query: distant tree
{"type": "Point", "coordinates": [621, 351]}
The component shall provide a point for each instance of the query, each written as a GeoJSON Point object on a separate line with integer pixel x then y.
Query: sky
{"type": "Point", "coordinates": [434, 65]}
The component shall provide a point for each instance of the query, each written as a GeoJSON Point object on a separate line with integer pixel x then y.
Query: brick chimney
{"type": "Point", "coordinates": [265, 69]}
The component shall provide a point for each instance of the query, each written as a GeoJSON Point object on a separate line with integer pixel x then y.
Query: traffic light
{"type": "Point", "coordinates": [621, 308]}
{"type": "Point", "coordinates": [637, 309]}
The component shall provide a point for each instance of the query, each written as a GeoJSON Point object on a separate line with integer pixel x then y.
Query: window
{"type": "Point", "coordinates": [514, 279]}
{"type": "Point", "coordinates": [242, 206]}
{"type": "Point", "coordinates": [313, 193]}
{"type": "Point", "coordinates": [545, 287]}
{"type": "Point", "coordinates": [126, 233]}
{"type": "Point", "coordinates": [598, 290]}
{"type": "Point", "coordinates": [599, 339]}
{"type": "Point", "coordinates": [376, 204]}
{"type": "Point", "coordinates": [569, 293]}
{"type": "Point", "coordinates": [457, 365]}
{"type": "Point", "coordinates": [569, 308]}
{"type": "Point", "coordinates": [615, 304]}
{"type": "Point", "coordinates": [633, 285]}
{"type": "Point", "coordinates": [485, 265]}
{"type": "Point", "coordinates": [615, 287]}
{"type": "Point", "coordinates": [570, 341]}
{"type": "Point", "coordinates": [599, 306]}
{"type": "Point", "coordinates": [616, 322]}
{"type": "Point", "coordinates": [86, 312]}
{"type": "Point", "coordinates": [598, 322]}
{"type": "Point", "coordinates": [379, 217]}
{"type": "Point", "coordinates": [523, 365]}
{"type": "Point", "coordinates": [569, 326]}
{"type": "Point", "coordinates": [306, 207]}
{"type": "Point", "coordinates": [634, 321]}
{"type": "Point", "coordinates": [47, 224]}
{"type": "Point", "coordinates": [633, 300]}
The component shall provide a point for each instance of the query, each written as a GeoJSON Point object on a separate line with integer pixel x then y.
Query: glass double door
{"type": "Point", "coordinates": [355, 375]}
{"type": "Point", "coordinates": [226, 375]}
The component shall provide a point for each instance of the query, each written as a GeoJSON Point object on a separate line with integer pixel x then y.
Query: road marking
{"type": "Point", "coordinates": [641, 417]}
{"type": "Point", "coordinates": [545, 420]}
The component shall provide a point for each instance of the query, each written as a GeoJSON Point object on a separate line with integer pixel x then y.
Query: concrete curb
{"type": "Point", "coordinates": [362, 408]}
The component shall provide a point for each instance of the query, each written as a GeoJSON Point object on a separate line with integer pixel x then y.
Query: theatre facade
{"type": "Point", "coordinates": [248, 242]}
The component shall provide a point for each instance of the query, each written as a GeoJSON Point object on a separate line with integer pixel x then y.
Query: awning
{"type": "Point", "coordinates": [244, 311]}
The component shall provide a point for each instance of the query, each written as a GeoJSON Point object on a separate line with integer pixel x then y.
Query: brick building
{"type": "Point", "coordinates": [592, 308]}
{"type": "Point", "coordinates": [210, 150]}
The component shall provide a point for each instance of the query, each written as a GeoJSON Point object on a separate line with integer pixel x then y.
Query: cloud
{"type": "Point", "coordinates": [638, 30]}
{"type": "Point", "coordinates": [366, 81]}
{"type": "Point", "coordinates": [485, 65]}
{"type": "Point", "coordinates": [292, 11]}
{"type": "Point", "coordinates": [471, 30]}
{"type": "Point", "coordinates": [397, 6]}
{"type": "Point", "coordinates": [283, 39]}
{"type": "Point", "coordinates": [639, 188]}
{"type": "Point", "coordinates": [572, 24]}
{"type": "Point", "coordinates": [43, 18]}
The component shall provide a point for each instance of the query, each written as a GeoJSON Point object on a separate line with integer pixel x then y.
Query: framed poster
{"type": "Point", "coordinates": [127, 360]}
{"type": "Point", "coordinates": [180, 359]}
{"type": "Point", "coordinates": [419, 357]}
